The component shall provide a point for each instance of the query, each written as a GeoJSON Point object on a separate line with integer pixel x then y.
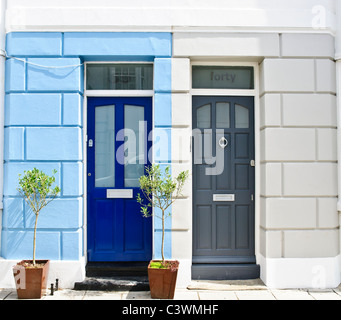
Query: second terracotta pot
{"type": "Point", "coordinates": [162, 282]}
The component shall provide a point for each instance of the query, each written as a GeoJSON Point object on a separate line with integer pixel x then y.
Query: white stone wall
{"type": "Point", "coordinates": [182, 160]}
{"type": "Point", "coordinates": [299, 217]}
{"type": "Point", "coordinates": [298, 227]}
{"type": "Point", "coordinates": [298, 150]}
{"type": "Point", "coordinates": [176, 15]}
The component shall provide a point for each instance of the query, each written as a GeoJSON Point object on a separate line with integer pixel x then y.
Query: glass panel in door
{"type": "Point", "coordinates": [242, 116]}
{"type": "Point", "coordinates": [134, 149]}
{"type": "Point", "coordinates": [105, 147]}
{"type": "Point", "coordinates": [222, 115]}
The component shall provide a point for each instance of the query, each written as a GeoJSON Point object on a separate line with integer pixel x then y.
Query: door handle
{"type": "Point", "coordinates": [223, 142]}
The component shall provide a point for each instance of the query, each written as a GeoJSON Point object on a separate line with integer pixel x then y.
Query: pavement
{"type": "Point", "coordinates": [196, 291]}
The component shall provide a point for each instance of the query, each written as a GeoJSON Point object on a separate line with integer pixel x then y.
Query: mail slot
{"type": "Point", "coordinates": [119, 193]}
{"type": "Point", "coordinates": [223, 197]}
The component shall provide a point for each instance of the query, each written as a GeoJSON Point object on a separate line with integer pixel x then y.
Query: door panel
{"type": "Point", "coordinates": [117, 149]}
{"type": "Point", "coordinates": [223, 228]}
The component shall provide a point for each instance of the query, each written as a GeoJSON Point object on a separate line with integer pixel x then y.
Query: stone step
{"type": "Point", "coordinates": [114, 269]}
{"type": "Point", "coordinates": [205, 271]}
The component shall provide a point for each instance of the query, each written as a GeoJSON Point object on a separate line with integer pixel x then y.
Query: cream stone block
{"type": "Point", "coordinates": [325, 75]}
{"type": "Point", "coordinates": [181, 110]}
{"type": "Point", "coordinates": [176, 169]}
{"type": "Point", "coordinates": [327, 144]}
{"type": "Point", "coordinates": [309, 110]}
{"type": "Point", "coordinates": [181, 144]}
{"type": "Point", "coordinates": [296, 75]}
{"type": "Point", "coordinates": [327, 213]}
{"type": "Point", "coordinates": [307, 45]}
{"type": "Point", "coordinates": [181, 245]}
{"type": "Point", "coordinates": [182, 214]}
{"type": "Point", "coordinates": [288, 144]}
{"type": "Point", "coordinates": [294, 213]}
{"type": "Point", "coordinates": [271, 243]}
{"type": "Point", "coordinates": [225, 44]}
{"type": "Point", "coordinates": [181, 74]}
{"type": "Point", "coordinates": [270, 110]}
{"type": "Point", "coordinates": [310, 179]}
{"type": "Point", "coordinates": [311, 243]}
{"type": "Point", "coordinates": [271, 179]}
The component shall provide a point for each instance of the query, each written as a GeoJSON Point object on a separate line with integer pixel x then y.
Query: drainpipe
{"type": "Point", "coordinates": [3, 5]}
{"type": "Point", "coordinates": [338, 93]}
{"type": "Point", "coordinates": [338, 99]}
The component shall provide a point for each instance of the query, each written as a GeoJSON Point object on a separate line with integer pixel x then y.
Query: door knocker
{"type": "Point", "coordinates": [223, 142]}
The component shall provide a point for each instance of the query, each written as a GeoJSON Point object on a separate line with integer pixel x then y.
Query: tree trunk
{"type": "Point", "coordinates": [163, 236]}
{"type": "Point", "coordinates": [34, 240]}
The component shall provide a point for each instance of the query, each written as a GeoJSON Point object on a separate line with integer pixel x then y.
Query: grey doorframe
{"type": "Point", "coordinates": [224, 262]}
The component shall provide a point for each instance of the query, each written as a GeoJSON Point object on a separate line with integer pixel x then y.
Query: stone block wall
{"type": "Point", "coordinates": [298, 149]}
{"type": "Point", "coordinates": [43, 129]}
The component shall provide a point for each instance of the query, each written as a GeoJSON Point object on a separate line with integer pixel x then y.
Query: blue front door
{"type": "Point", "coordinates": [117, 151]}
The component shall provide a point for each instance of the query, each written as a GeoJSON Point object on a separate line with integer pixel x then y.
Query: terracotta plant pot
{"type": "Point", "coordinates": [162, 281]}
{"type": "Point", "coordinates": [31, 282]}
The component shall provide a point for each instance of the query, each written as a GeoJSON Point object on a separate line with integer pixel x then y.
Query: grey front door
{"type": "Point", "coordinates": [223, 188]}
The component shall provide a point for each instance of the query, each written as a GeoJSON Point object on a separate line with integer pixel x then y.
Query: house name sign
{"type": "Point", "coordinates": [222, 77]}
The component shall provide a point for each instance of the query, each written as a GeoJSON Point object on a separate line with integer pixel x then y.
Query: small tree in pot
{"type": "Point", "coordinates": [36, 189]}
{"type": "Point", "coordinates": [160, 191]}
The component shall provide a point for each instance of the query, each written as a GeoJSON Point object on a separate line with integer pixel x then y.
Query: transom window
{"type": "Point", "coordinates": [222, 77]}
{"type": "Point", "coordinates": [119, 76]}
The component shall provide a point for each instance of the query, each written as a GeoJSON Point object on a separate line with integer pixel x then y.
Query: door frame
{"type": "Point", "coordinates": [101, 94]}
{"type": "Point", "coordinates": [238, 92]}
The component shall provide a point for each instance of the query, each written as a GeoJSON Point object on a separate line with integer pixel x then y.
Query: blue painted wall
{"type": "Point", "coordinates": [44, 129]}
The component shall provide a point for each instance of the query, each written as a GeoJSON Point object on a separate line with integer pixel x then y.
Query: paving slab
{"type": "Point", "coordinates": [103, 295]}
{"type": "Point", "coordinates": [184, 294]}
{"type": "Point", "coordinates": [217, 295]}
{"type": "Point", "coordinates": [4, 293]}
{"type": "Point", "coordinates": [65, 294]}
{"type": "Point", "coordinates": [254, 295]}
{"type": "Point", "coordinates": [227, 285]}
{"type": "Point", "coordinates": [291, 294]}
{"type": "Point", "coordinates": [324, 294]}
{"type": "Point", "coordinates": [135, 295]}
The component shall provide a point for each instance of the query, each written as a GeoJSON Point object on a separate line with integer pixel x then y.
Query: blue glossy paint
{"type": "Point", "coordinates": [116, 229]}
{"type": "Point", "coordinates": [44, 128]}
{"type": "Point", "coordinates": [121, 44]}
{"type": "Point", "coordinates": [34, 44]}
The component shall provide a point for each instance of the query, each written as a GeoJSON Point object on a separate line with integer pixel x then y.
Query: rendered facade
{"type": "Point", "coordinates": [262, 76]}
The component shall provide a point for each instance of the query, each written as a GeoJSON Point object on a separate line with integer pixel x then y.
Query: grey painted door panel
{"type": "Point", "coordinates": [223, 231]}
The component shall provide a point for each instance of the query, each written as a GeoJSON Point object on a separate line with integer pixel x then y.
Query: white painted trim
{"type": "Point", "coordinates": [232, 92]}
{"type": "Point", "coordinates": [184, 276]}
{"type": "Point", "coordinates": [85, 175]}
{"type": "Point", "coordinates": [166, 17]}
{"type": "Point", "coordinates": [67, 272]}
{"type": "Point", "coordinates": [106, 93]}
{"type": "Point", "coordinates": [222, 92]}
{"type": "Point", "coordinates": [286, 273]}
{"type": "Point", "coordinates": [116, 93]}
{"type": "Point", "coordinates": [119, 93]}
{"type": "Point", "coordinates": [225, 92]}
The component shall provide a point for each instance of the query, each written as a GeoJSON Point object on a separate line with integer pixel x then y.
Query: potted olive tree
{"type": "Point", "coordinates": [160, 191]}
{"type": "Point", "coordinates": [31, 275]}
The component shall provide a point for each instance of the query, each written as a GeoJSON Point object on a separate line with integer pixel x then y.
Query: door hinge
{"type": "Point", "coordinates": [252, 163]}
{"type": "Point", "coordinates": [251, 197]}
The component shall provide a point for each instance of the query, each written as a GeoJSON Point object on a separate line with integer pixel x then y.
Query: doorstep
{"type": "Point", "coordinates": [138, 283]}
{"type": "Point", "coordinates": [227, 285]}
